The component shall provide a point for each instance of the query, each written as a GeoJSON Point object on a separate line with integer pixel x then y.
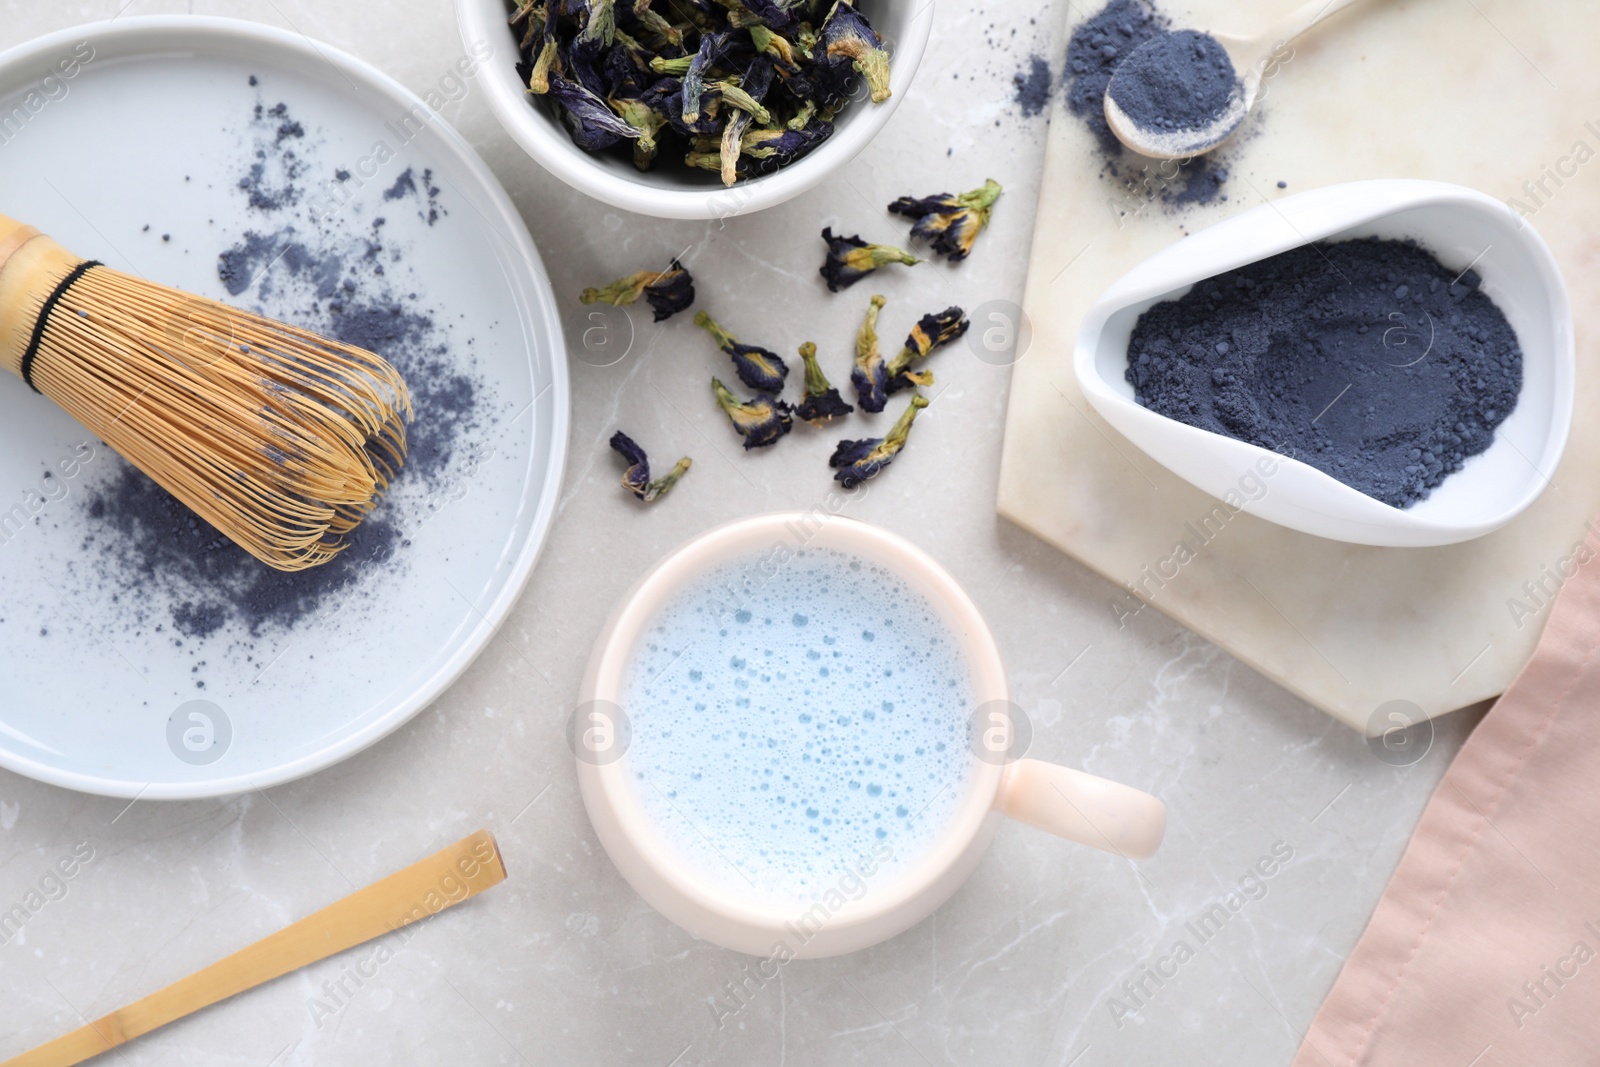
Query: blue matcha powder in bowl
{"type": "Point", "coordinates": [1367, 359]}
{"type": "Point", "coordinates": [782, 733]}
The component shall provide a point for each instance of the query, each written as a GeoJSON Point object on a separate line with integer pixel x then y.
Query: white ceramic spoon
{"type": "Point", "coordinates": [1252, 54]}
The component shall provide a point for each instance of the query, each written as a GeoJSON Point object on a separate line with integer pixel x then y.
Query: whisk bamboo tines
{"type": "Point", "coordinates": [281, 439]}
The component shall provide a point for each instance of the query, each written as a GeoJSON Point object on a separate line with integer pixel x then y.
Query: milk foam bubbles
{"type": "Point", "coordinates": [816, 717]}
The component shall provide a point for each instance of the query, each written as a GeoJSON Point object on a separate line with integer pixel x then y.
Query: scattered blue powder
{"type": "Point", "coordinates": [1098, 46]}
{"type": "Point", "coordinates": [406, 185]}
{"type": "Point", "coordinates": [171, 570]}
{"type": "Point", "coordinates": [1368, 359]}
{"type": "Point", "coordinates": [1033, 86]}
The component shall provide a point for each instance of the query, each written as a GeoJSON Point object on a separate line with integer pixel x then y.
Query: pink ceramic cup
{"type": "Point", "coordinates": [1066, 802]}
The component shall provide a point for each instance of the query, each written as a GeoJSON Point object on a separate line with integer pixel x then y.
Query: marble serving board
{"type": "Point", "coordinates": [1500, 95]}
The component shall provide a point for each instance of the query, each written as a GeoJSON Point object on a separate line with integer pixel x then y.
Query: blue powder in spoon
{"type": "Point", "coordinates": [1175, 81]}
{"type": "Point", "coordinates": [1098, 47]}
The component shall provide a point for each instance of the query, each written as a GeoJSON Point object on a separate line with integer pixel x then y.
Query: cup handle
{"type": "Point", "coordinates": [1080, 807]}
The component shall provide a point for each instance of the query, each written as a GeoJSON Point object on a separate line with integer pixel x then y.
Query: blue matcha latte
{"type": "Point", "coordinates": [789, 721]}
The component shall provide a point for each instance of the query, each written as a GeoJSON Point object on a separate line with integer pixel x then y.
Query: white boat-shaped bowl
{"type": "Point", "coordinates": [1463, 228]}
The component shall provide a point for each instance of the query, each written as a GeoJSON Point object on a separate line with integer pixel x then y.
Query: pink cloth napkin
{"type": "Point", "coordinates": [1485, 949]}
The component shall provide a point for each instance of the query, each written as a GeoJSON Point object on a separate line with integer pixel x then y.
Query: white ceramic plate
{"type": "Point", "coordinates": [149, 122]}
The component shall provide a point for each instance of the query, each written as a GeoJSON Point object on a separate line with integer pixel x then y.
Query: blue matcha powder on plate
{"type": "Point", "coordinates": [784, 729]}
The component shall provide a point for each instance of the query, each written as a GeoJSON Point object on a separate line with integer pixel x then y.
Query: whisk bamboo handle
{"type": "Point", "coordinates": [31, 268]}
{"type": "Point", "coordinates": [280, 439]}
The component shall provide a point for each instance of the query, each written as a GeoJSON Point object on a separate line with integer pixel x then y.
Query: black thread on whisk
{"type": "Point", "coordinates": [26, 368]}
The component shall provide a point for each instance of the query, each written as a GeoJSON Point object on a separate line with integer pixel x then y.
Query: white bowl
{"type": "Point", "coordinates": [668, 190]}
{"type": "Point", "coordinates": [1461, 227]}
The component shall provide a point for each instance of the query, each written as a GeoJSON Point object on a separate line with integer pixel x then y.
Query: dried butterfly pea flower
{"type": "Point", "coordinates": [747, 99]}
{"type": "Point", "coordinates": [775, 148]}
{"type": "Point", "coordinates": [530, 15]}
{"type": "Point", "coordinates": [647, 121]}
{"type": "Point", "coordinates": [583, 60]}
{"type": "Point", "coordinates": [856, 461]}
{"type": "Point", "coordinates": [673, 66]}
{"type": "Point", "coordinates": [737, 96]}
{"type": "Point", "coordinates": [665, 98]}
{"type": "Point", "coordinates": [757, 367]}
{"type": "Point", "coordinates": [950, 223]}
{"type": "Point", "coordinates": [777, 47]}
{"type": "Point", "coordinates": [538, 73]}
{"type": "Point", "coordinates": [637, 18]}
{"type": "Point", "coordinates": [628, 63]}
{"type": "Point", "coordinates": [760, 422]}
{"type": "Point", "coordinates": [848, 35]}
{"type": "Point", "coordinates": [822, 402]}
{"type": "Point", "coordinates": [749, 87]}
{"type": "Point", "coordinates": [931, 332]}
{"type": "Point", "coordinates": [870, 375]}
{"type": "Point", "coordinates": [828, 81]}
{"type": "Point", "coordinates": [667, 291]}
{"type": "Point", "coordinates": [713, 47]}
{"type": "Point", "coordinates": [636, 479]}
{"type": "Point", "coordinates": [627, 99]}
{"type": "Point", "coordinates": [850, 259]}
{"type": "Point", "coordinates": [599, 22]}
{"type": "Point", "coordinates": [593, 125]}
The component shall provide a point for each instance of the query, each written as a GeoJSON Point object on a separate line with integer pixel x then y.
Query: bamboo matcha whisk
{"type": "Point", "coordinates": [281, 439]}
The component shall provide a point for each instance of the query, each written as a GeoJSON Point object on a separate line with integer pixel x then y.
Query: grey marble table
{"type": "Point", "coordinates": [1040, 959]}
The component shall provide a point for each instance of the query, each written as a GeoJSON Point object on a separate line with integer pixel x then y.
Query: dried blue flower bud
{"type": "Point", "coordinates": [583, 59]}
{"type": "Point", "coordinates": [649, 122]}
{"type": "Point", "coordinates": [776, 148]}
{"type": "Point", "coordinates": [870, 375]}
{"type": "Point", "coordinates": [850, 259]}
{"type": "Point", "coordinates": [931, 333]}
{"type": "Point", "coordinates": [778, 14]}
{"type": "Point", "coordinates": [636, 479]}
{"type": "Point", "coordinates": [537, 75]}
{"type": "Point", "coordinates": [822, 402]}
{"type": "Point", "coordinates": [777, 48]}
{"type": "Point", "coordinates": [950, 223]}
{"type": "Point", "coordinates": [856, 461]}
{"type": "Point", "coordinates": [827, 80]}
{"type": "Point", "coordinates": [760, 422]}
{"type": "Point", "coordinates": [757, 367]}
{"type": "Point", "coordinates": [700, 70]}
{"type": "Point", "coordinates": [667, 291]}
{"type": "Point", "coordinates": [637, 17]}
{"type": "Point", "coordinates": [673, 66]}
{"type": "Point", "coordinates": [626, 67]}
{"type": "Point", "coordinates": [530, 15]}
{"type": "Point", "coordinates": [847, 34]}
{"type": "Point", "coordinates": [599, 22]}
{"type": "Point", "coordinates": [747, 98]}
{"type": "Point", "coordinates": [592, 123]}
{"type": "Point", "coordinates": [713, 47]}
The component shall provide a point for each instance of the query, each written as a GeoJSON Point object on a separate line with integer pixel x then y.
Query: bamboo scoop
{"type": "Point", "coordinates": [281, 439]}
{"type": "Point", "coordinates": [445, 878]}
{"type": "Point", "coordinates": [1253, 54]}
